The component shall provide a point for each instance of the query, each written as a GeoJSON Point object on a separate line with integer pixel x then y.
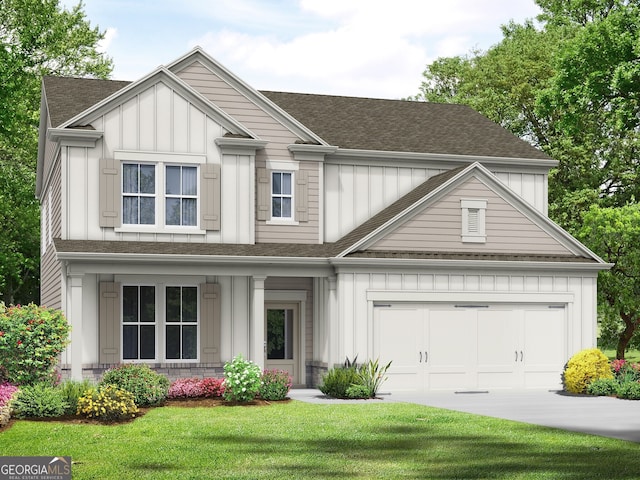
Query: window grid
{"type": "Point", "coordinates": [138, 322]}
{"type": "Point", "coordinates": [181, 195]}
{"type": "Point", "coordinates": [138, 194]}
{"type": "Point", "coordinates": [181, 323]}
{"type": "Point", "coordinates": [281, 195]}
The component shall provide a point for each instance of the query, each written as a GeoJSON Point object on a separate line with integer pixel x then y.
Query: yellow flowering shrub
{"type": "Point", "coordinates": [107, 403]}
{"type": "Point", "coordinates": [585, 367]}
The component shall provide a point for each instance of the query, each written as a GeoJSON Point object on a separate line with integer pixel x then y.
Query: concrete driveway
{"type": "Point", "coordinates": [604, 416]}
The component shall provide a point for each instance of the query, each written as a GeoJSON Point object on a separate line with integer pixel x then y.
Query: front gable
{"type": "Point", "coordinates": [464, 211]}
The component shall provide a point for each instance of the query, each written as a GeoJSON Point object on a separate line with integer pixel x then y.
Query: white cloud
{"type": "Point", "coordinates": [110, 35]}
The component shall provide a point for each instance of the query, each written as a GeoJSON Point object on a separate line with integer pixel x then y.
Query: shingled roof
{"type": "Point", "coordinates": [346, 122]}
{"type": "Point", "coordinates": [402, 126]}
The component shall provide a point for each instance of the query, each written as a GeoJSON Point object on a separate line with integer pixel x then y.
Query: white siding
{"type": "Point", "coordinates": [353, 193]}
{"type": "Point", "coordinates": [355, 314]}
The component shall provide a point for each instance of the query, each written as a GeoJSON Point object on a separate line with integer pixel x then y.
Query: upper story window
{"type": "Point", "coordinates": [159, 192]}
{"type": "Point", "coordinates": [181, 192]}
{"type": "Point", "coordinates": [281, 195]}
{"type": "Point", "coordinates": [138, 194]}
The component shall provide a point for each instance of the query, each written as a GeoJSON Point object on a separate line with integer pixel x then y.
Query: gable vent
{"type": "Point", "coordinates": [473, 226]}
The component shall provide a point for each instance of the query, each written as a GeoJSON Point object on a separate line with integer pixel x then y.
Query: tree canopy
{"type": "Point", "coordinates": [37, 38]}
{"type": "Point", "coordinates": [570, 85]}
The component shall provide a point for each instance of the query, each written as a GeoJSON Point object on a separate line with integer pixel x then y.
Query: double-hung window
{"type": "Point", "coordinates": [181, 195]}
{"type": "Point", "coordinates": [281, 195]}
{"type": "Point", "coordinates": [139, 194]}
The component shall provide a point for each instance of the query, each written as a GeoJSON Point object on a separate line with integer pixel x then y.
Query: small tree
{"type": "Point", "coordinates": [614, 234]}
{"type": "Point", "coordinates": [31, 338]}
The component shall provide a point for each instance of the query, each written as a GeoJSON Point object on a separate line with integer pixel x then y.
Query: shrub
{"type": "Point", "coordinates": [358, 391]}
{"type": "Point", "coordinates": [72, 390]}
{"type": "Point", "coordinates": [603, 387]}
{"type": "Point", "coordinates": [31, 338]}
{"type": "Point", "coordinates": [241, 380]}
{"type": "Point", "coordinates": [212, 387]}
{"type": "Point", "coordinates": [625, 371]}
{"type": "Point", "coordinates": [185, 388]}
{"type": "Point", "coordinates": [585, 367]}
{"type": "Point", "coordinates": [148, 387]}
{"type": "Point", "coordinates": [107, 403]}
{"type": "Point", "coordinates": [39, 400]}
{"type": "Point", "coordinates": [274, 385]}
{"type": "Point", "coordinates": [337, 380]}
{"type": "Point", "coordinates": [629, 390]}
{"type": "Point", "coordinates": [372, 375]}
{"type": "Point", "coordinates": [7, 392]}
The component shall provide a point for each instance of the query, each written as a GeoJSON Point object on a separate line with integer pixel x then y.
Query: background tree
{"type": "Point", "coordinates": [570, 85]}
{"type": "Point", "coordinates": [614, 234]}
{"type": "Point", "coordinates": [37, 38]}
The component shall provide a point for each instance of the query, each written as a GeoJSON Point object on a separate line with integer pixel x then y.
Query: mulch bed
{"type": "Point", "coordinates": [181, 403]}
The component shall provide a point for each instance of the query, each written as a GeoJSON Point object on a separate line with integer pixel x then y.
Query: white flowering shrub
{"type": "Point", "coordinates": [241, 380]}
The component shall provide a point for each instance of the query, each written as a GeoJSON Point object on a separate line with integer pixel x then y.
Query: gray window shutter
{"type": "Point", "coordinates": [210, 323]}
{"type": "Point", "coordinates": [109, 323]}
{"type": "Point", "coordinates": [302, 196]}
{"type": "Point", "coordinates": [110, 193]}
{"type": "Point", "coordinates": [210, 196]}
{"type": "Point", "coordinates": [263, 196]}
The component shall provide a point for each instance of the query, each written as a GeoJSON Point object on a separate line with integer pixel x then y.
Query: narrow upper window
{"type": "Point", "coordinates": [473, 220]}
{"type": "Point", "coordinates": [181, 191]}
{"type": "Point", "coordinates": [281, 195]}
{"type": "Point", "coordinates": [138, 194]}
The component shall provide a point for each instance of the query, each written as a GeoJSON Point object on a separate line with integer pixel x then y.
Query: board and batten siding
{"type": "Point", "coordinates": [355, 317]}
{"type": "Point", "coordinates": [439, 228]}
{"type": "Point", "coordinates": [354, 193]}
{"type": "Point", "coordinates": [158, 120]}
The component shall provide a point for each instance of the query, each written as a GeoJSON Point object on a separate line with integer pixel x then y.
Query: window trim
{"type": "Point", "coordinates": [161, 161]}
{"type": "Point", "coordinates": [160, 316]}
{"type": "Point", "coordinates": [473, 212]}
{"type": "Point", "coordinates": [290, 219]}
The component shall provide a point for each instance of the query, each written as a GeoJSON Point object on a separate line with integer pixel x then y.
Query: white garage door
{"type": "Point", "coordinates": [470, 347]}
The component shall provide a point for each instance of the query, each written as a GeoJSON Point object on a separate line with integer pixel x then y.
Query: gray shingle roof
{"type": "Point", "coordinates": [69, 96]}
{"type": "Point", "coordinates": [402, 126]}
{"type": "Point", "coordinates": [347, 122]}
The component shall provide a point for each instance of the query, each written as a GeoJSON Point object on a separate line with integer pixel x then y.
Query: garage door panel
{"type": "Point", "coordinates": [495, 347]}
{"type": "Point", "coordinates": [398, 339]}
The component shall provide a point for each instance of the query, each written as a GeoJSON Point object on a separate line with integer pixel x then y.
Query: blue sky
{"type": "Point", "coordinates": [372, 48]}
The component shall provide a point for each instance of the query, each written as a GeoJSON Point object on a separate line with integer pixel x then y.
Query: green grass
{"type": "Point", "coordinates": [630, 355]}
{"type": "Point", "coordinates": [297, 440]}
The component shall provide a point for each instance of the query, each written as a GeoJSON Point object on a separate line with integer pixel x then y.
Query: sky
{"type": "Point", "coordinates": [364, 48]}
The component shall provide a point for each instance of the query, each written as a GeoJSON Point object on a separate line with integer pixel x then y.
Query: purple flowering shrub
{"type": "Point", "coordinates": [7, 392]}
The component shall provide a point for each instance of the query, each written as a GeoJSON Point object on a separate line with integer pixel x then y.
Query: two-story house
{"type": "Point", "coordinates": [187, 218]}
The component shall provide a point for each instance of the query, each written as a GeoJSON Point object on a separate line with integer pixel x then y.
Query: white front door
{"type": "Point", "coordinates": [282, 347]}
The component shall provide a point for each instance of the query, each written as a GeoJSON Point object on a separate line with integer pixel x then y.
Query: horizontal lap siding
{"type": "Point", "coordinates": [439, 228]}
{"type": "Point", "coordinates": [279, 137]}
{"type": "Point", "coordinates": [50, 268]}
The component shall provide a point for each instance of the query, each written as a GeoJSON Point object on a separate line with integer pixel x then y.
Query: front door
{"type": "Point", "coordinates": [282, 346]}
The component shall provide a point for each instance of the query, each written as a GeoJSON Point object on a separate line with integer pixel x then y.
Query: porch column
{"type": "Point", "coordinates": [256, 329]}
{"type": "Point", "coordinates": [74, 316]}
{"type": "Point", "coordinates": [333, 327]}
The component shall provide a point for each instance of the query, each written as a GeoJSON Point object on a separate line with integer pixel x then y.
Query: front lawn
{"type": "Point", "coordinates": [296, 440]}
